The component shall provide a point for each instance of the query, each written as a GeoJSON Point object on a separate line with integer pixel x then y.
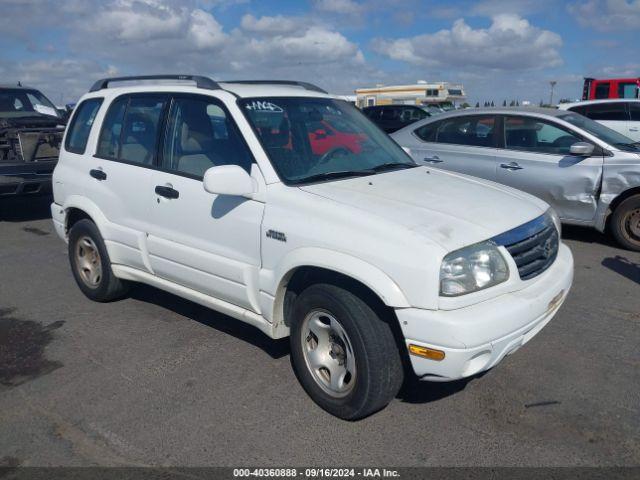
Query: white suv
{"type": "Point", "coordinates": [286, 208]}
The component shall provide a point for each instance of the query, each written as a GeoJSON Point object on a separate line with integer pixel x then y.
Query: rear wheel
{"type": "Point", "coordinates": [625, 223]}
{"type": "Point", "coordinates": [343, 352]}
{"type": "Point", "coordinates": [90, 264]}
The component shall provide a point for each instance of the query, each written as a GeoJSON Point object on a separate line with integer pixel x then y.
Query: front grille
{"type": "Point", "coordinates": [533, 246]}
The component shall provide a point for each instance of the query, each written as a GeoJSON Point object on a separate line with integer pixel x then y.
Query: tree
{"type": "Point", "coordinates": [513, 103]}
{"type": "Point", "coordinates": [477, 104]}
{"type": "Point", "coordinates": [504, 103]}
{"type": "Point", "coordinates": [465, 105]}
{"type": "Point", "coordinates": [517, 103]}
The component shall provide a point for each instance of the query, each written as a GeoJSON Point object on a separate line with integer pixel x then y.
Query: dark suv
{"type": "Point", "coordinates": [394, 117]}
{"type": "Point", "coordinates": [31, 130]}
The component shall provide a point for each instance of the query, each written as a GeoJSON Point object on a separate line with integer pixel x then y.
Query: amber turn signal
{"type": "Point", "coordinates": [425, 352]}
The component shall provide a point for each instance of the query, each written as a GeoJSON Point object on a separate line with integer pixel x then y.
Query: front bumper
{"type": "Point", "coordinates": [26, 178]}
{"type": "Point", "coordinates": [477, 337]}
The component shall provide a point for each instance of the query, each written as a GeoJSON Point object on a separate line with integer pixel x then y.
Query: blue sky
{"type": "Point", "coordinates": [498, 49]}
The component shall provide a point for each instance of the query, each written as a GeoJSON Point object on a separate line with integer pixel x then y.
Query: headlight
{"type": "Point", "coordinates": [556, 220]}
{"type": "Point", "coordinates": [472, 268]}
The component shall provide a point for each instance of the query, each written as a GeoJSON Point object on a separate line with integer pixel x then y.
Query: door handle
{"type": "Point", "coordinates": [511, 166]}
{"type": "Point", "coordinates": [434, 159]}
{"type": "Point", "coordinates": [634, 129]}
{"type": "Point", "coordinates": [167, 192]}
{"type": "Point", "coordinates": [98, 174]}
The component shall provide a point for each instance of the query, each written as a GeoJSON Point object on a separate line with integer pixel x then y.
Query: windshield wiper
{"type": "Point", "coordinates": [392, 166]}
{"type": "Point", "coordinates": [336, 175]}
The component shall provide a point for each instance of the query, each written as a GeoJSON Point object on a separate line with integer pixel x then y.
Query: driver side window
{"type": "Point", "coordinates": [535, 135]}
{"type": "Point", "coordinates": [201, 135]}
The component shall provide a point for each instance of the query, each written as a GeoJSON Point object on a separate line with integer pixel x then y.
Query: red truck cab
{"type": "Point", "coordinates": [610, 88]}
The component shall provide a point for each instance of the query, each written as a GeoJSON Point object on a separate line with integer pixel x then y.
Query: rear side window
{"type": "Point", "coordinates": [607, 111]}
{"type": "Point", "coordinates": [81, 124]}
{"type": "Point", "coordinates": [427, 132]}
{"type": "Point", "coordinates": [602, 90]}
{"type": "Point", "coordinates": [635, 111]}
{"type": "Point", "coordinates": [627, 90]}
{"type": "Point", "coordinates": [474, 131]}
{"type": "Point", "coordinates": [412, 114]}
{"type": "Point", "coordinates": [140, 129]}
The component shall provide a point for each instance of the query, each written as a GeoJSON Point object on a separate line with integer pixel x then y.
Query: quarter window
{"type": "Point", "coordinates": [201, 135]}
{"type": "Point", "coordinates": [534, 135]}
{"type": "Point", "coordinates": [634, 108]}
{"type": "Point", "coordinates": [80, 127]}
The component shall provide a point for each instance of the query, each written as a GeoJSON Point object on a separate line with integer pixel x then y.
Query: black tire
{"type": "Point", "coordinates": [625, 223]}
{"type": "Point", "coordinates": [107, 286]}
{"type": "Point", "coordinates": [377, 357]}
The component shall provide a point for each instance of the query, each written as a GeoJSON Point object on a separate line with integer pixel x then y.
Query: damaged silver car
{"type": "Point", "coordinates": [587, 172]}
{"type": "Point", "coordinates": [31, 129]}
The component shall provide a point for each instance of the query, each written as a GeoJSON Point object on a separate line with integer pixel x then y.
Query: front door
{"type": "Point", "coordinates": [209, 243]}
{"type": "Point", "coordinates": [536, 159]}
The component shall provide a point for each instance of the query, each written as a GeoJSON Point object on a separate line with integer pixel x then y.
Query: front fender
{"type": "Point", "coordinates": [273, 282]}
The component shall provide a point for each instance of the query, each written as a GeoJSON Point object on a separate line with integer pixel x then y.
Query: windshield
{"type": "Point", "coordinates": [18, 102]}
{"type": "Point", "coordinates": [605, 134]}
{"type": "Point", "coordinates": [316, 139]}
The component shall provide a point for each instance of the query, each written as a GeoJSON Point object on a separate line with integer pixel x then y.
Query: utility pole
{"type": "Point", "coordinates": [553, 84]}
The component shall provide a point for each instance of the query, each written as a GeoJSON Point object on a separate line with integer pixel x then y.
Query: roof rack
{"type": "Point", "coordinates": [201, 82]}
{"type": "Point", "coordinates": [305, 85]}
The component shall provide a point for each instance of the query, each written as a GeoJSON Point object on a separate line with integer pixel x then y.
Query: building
{"type": "Point", "coordinates": [420, 93]}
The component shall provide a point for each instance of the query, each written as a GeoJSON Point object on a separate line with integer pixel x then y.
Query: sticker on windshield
{"type": "Point", "coordinates": [262, 106]}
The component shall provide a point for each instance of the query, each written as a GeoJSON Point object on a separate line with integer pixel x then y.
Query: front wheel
{"type": "Point", "coordinates": [343, 353]}
{"type": "Point", "coordinates": [625, 223]}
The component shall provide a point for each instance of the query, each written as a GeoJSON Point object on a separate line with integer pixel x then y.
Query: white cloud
{"type": "Point", "coordinates": [266, 25]}
{"type": "Point", "coordinates": [344, 7]}
{"type": "Point", "coordinates": [159, 36]}
{"type": "Point", "coordinates": [607, 15]}
{"type": "Point", "coordinates": [495, 7]}
{"type": "Point", "coordinates": [61, 80]}
{"type": "Point", "coordinates": [510, 43]}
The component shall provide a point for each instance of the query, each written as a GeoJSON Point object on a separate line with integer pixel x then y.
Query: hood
{"type": "Point", "coordinates": [450, 209]}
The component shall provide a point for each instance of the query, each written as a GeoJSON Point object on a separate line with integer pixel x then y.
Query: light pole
{"type": "Point", "coordinates": [553, 84]}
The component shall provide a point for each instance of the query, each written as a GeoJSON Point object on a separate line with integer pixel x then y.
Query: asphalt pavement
{"type": "Point", "coordinates": [158, 380]}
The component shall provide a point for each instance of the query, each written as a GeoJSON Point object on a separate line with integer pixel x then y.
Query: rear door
{"type": "Point", "coordinates": [536, 159]}
{"type": "Point", "coordinates": [121, 170]}
{"type": "Point", "coordinates": [464, 144]}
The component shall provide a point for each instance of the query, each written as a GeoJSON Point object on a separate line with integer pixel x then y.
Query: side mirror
{"type": "Point", "coordinates": [581, 149]}
{"type": "Point", "coordinates": [228, 180]}
{"type": "Point", "coordinates": [320, 134]}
